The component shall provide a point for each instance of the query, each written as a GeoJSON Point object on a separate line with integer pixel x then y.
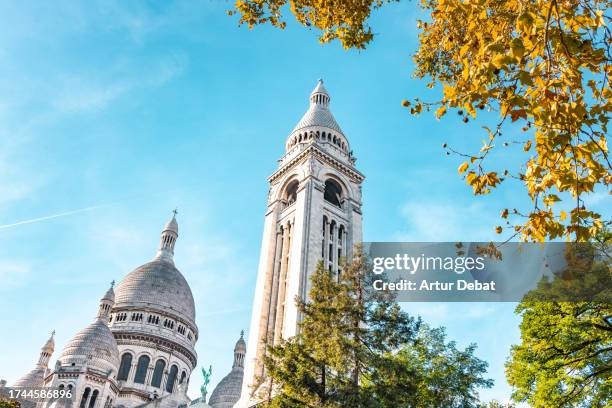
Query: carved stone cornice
{"type": "Point", "coordinates": [316, 151]}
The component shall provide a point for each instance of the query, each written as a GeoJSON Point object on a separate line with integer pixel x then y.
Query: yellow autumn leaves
{"type": "Point", "coordinates": [546, 66]}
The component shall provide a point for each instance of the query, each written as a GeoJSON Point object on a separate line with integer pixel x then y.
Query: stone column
{"type": "Point", "coordinates": [282, 289]}
{"type": "Point", "coordinates": [275, 285]}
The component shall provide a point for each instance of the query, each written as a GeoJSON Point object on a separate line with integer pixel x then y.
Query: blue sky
{"type": "Point", "coordinates": [130, 109]}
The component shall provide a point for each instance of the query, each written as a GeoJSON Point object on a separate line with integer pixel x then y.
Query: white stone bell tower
{"type": "Point", "coordinates": [313, 215]}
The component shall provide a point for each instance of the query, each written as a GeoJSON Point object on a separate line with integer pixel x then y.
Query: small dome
{"type": "Point", "coordinates": [227, 392]}
{"type": "Point", "coordinates": [33, 379]}
{"type": "Point", "coordinates": [157, 284]}
{"type": "Point", "coordinates": [318, 120]}
{"type": "Point", "coordinates": [93, 346]}
{"type": "Point", "coordinates": [317, 116]}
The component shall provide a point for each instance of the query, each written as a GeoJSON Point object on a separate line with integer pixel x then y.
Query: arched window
{"type": "Point", "coordinates": [171, 378]}
{"type": "Point", "coordinates": [333, 192]}
{"type": "Point", "coordinates": [84, 397]}
{"type": "Point", "coordinates": [124, 368]}
{"type": "Point", "coordinates": [92, 401]}
{"type": "Point", "coordinates": [183, 375]}
{"type": "Point", "coordinates": [158, 373]}
{"type": "Point", "coordinates": [141, 369]}
{"type": "Point", "coordinates": [291, 193]}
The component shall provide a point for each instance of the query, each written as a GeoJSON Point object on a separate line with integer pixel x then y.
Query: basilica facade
{"type": "Point", "coordinates": [139, 351]}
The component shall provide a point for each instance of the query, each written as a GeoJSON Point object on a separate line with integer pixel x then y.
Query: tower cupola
{"type": "Point", "coordinates": [106, 303]}
{"type": "Point", "coordinates": [168, 239]}
{"type": "Point", "coordinates": [46, 351]}
{"type": "Point", "coordinates": [319, 95]}
{"type": "Point", "coordinates": [239, 352]}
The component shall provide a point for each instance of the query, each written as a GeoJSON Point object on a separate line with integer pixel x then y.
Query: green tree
{"type": "Point", "coordinates": [542, 65]}
{"type": "Point", "coordinates": [357, 348]}
{"type": "Point", "coordinates": [565, 355]}
{"type": "Point", "coordinates": [443, 375]}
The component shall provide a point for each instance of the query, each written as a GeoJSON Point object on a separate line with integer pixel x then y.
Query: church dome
{"type": "Point", "coordinates": [318, 114]}
{"type": "Point", "coordinates": [32, 379]}
{"type": "Point", "coordinates": [228, 391]}
{"type": "Point", "coordinates": [157, 284]}
{"type": "Point", "coordinates": [318, 125]}
{"type": "Point", "coordinates": [95, 345]}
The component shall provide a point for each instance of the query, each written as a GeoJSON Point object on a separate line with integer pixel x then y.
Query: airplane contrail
{"type": "Point", "coordinates": [49, 217]}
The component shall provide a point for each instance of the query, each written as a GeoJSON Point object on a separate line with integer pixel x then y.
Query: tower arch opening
{"type": "Point", "coordinates": [333, 192]}
{"type": "Point", "coordinates": [291, 192]}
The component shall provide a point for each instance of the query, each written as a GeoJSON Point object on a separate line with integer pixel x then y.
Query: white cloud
{"type": "Point", "coordinates": [79, 93]}
{"type": "Point", "coordinates": [13, 274]}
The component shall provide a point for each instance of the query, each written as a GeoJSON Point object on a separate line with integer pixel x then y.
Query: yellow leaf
{"type": "Point", "coordinates": [527, 146]}
{"type": "Point", "coordinates": [441, 111]}
{"type": "Point", "coordinates": [562, 215]}
{"type": "Point", "coordinates": [463, 168]}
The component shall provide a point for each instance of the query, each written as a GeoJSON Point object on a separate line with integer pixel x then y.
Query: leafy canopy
{"type": "Point", "coordinates": [565, 355]}
{"type": "Point", "coordinates": [542, 65]}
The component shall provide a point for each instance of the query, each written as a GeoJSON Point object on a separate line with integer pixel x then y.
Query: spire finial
{"type": "Point", "coordinates": [175, 211]}
{"type": "Point", "coordinates": [241, 334]}
{"type": "Point", "coordinates": [112, 284]}
{"type": "Point", "coordinates": [53, 333]}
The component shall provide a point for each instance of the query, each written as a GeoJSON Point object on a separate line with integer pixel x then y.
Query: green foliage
{"type": "Point", "coordinates": [565, 355]}
{"type": "Point", "coordinates": [357, 348]}
{"type": "Point", "coordinates": [444, 376]}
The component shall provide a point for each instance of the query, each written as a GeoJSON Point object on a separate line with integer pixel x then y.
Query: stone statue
{"type": "Point", "coordinates": [206, 375]}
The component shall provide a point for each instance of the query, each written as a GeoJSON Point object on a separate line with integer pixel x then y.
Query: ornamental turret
{"type": "Point", "coordinates": [168, 240]}
{"type": "Point", "coordinates": [36, 377]}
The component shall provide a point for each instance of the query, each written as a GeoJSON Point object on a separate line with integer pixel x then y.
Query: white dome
{"type": "Point", "coordinates": [318, 114]}
{"type": "Point", "coordinates": [157, 285]}
{"type": "Point", "coordinates": [227, 392]}
{"type": "Point", "coordinates": [94, 346]}
{"type": "Point", "coordinates": [32, 379]}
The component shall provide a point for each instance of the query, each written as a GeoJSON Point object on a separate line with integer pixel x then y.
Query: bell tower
{"type": "Point", "coordinates": [313, 215]}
